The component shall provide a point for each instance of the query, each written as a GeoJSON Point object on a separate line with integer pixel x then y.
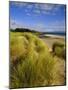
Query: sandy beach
{"type": "Point", "coordinates": [54, 36]}
{"type": "Point", "coordinates": [51, 39]}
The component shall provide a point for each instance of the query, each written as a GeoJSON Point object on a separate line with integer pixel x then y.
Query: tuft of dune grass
{"type": "Point", "coordinates": [31, 63]}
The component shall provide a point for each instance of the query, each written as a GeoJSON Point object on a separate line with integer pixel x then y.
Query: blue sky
{"type": "Point", "coordinates": [37, 16]}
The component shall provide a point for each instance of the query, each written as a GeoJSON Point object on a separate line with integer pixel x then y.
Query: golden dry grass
{"type": "Point", "coordinates": [31, 63]}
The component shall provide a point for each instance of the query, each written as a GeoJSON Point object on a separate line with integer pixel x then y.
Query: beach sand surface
{"type": "Point", "coordinates": [51, 40]}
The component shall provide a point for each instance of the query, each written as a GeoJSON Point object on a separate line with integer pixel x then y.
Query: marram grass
{"type": "Point", "coordinates": [31, 63]}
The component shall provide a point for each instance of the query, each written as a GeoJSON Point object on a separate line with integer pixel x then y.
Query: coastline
{"type": "Point", "coordinates": [50, 39]}
{"type": "Point", "coordinates": [54, 36]}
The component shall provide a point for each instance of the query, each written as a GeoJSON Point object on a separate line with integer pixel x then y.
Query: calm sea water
{"type": "Point", "coordinates": [56, 33]}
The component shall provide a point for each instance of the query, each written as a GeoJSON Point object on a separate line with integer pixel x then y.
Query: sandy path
{"type": "Point", "coordinates": [50, 41]}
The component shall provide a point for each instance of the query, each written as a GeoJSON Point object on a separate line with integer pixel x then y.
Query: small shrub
{"type": "Point", "coordinates": [57, 44]}
{"type": "Point", "coordinates": [58, 49]}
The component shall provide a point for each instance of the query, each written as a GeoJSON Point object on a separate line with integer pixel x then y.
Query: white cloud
{"type": "Point", "coordinates": [19, 4]}
{"type": "Point", "coordinates": [49, 8]}
{"type": "Point", "coordinates": [14, 24]}
{"type": "Point", "coordinates": [29, 6]}
{"type": "Point", "coordinates": [37, 11]}
{"type": "Point", "coordinates": [28, 14]}
{"type": "Point", "coordinates": [56, 26]}
{"type": "Point", "coordinates": [46, 7]}
{"type": "Point", "coordinates": [18, 24]}
{"type": "Point", "coordinates": [39, 8]}
{"type": "Point", "coordinates": [53, 26]}
{"type": "Point", "coordinates": [36, 5]}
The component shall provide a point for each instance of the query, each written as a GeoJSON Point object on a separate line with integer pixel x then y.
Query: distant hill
{"type": "Point", "coordinates": [23, 30]}
{"type": "Point", "coordinates": [34, 31]}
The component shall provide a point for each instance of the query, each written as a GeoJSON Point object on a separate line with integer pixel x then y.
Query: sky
{"type": "Point", "coordinates": [37, 16]}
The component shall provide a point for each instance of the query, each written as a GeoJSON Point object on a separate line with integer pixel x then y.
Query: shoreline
{"type": "Point", "coordinates": [54, 36]}
{"type": "Point", "coordinates": [51, 39]}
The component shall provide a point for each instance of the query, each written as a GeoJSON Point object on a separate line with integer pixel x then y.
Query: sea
{"type": "Point", "coordinates": [56, 33]}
